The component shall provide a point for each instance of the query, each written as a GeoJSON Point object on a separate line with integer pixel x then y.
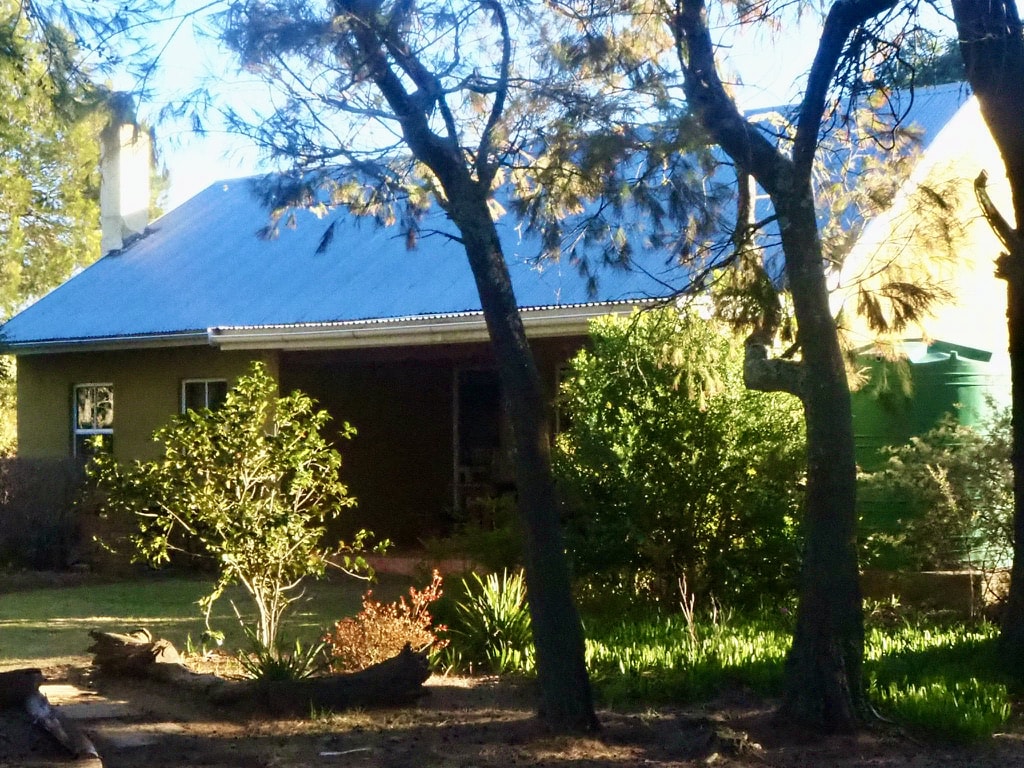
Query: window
{"type": "Point", "coordinates": [202, 393]}
{"type": "Point", "coordinates": [93, 419]}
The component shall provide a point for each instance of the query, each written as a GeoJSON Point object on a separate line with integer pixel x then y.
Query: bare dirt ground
{"type": "Point", "coordinates": [460, 723]}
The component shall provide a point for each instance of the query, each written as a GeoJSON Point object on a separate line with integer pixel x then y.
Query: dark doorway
{"type": "Point", "coordinates": [483, 459]}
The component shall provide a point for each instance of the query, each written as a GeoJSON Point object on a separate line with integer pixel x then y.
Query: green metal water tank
{"type": "Point", "coordinates": [907, 396]}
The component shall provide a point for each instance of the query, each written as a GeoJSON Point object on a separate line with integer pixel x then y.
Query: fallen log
{"type": "Point", "coordinates": [394, 682]}
{"type": "Point", "coordinates": [136, 654]}
{"type": "Point", "coordinates": [130, 654]}
{"type": "Point", "coordinates": [20, 688]}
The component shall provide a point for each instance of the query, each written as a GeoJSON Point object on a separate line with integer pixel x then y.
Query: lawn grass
{"type": "Point", "coordinates": [665, 659]}
{"type": "Point", "coordinates": [49, 626]}
{"type": "Point", "coordinates": [941, 680]}
{"type": "Point", "coordinates": [938, 678]}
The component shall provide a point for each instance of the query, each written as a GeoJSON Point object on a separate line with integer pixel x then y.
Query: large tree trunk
{"type": "Point", "coordinates": [992, 46]}
{"type": "Point", "coordinates": [1012, 627]}
{"type": "Point", "coordinates": [823, 669]}
{"type": "Point", "coordinates": [824, 689]}
{"type": "Point", "coordinates": [566, 699]}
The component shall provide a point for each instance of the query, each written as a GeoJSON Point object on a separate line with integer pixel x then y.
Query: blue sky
{"type": "Point", "coordinates": [769, 65]}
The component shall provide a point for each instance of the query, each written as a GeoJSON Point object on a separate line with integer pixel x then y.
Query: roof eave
{"type": "Point", "coordinates": [105, 343]}
{"type": "Point", "coordinates": [459, 328]}
{"type": "Point", "coordinates": [462, 328]}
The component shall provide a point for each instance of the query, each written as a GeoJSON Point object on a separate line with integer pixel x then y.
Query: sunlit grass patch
{"type": "Point", "coordinates": [942, 681]}
{"type": "Point", "coordinates": [966, 710]}
{"type": "Point", "coordinates": [937, 679]}
{"type": "Point", "coordinates": [671, 658]}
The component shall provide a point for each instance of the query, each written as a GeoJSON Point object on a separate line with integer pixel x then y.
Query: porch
{"type": "Point", "coordinates": [433, 444]}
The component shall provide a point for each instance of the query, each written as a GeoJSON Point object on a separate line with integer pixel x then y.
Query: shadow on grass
{"type": "Point", "coordinates": [51, 624]}
{"type": "Point", "coordinates": [488, 724]}
{"type": "Point", "coordinates": [959, 659]}
{"type": "Point", "coordinates": [702, 682]}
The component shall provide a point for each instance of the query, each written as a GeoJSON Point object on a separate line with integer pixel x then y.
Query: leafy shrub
{"type": "Point", "coordinates": [275, 664]}
{"type": "Point", "coordinates": [249, 485]}
{"type": "Point", "coordinates": [380, 631]}
{"type": "Point", "coordinates": [953, 486]}
{"type": "Point", "coordinates": [490, 629]}
{"type": "Point", "coordinates": [671, 467]}
{"type": "Point", "coordinates": [491, 540]}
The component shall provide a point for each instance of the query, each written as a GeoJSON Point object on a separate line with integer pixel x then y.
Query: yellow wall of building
{"type": "Point", "coordinates": [147, 392]}
{"type": "Point", "coordinates": [400, 466]}
{"type": "Point", "coordinates": [950, 245]}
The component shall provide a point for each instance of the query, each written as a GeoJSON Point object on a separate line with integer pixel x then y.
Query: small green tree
{"type": "Point", "coordinates": [250, 484]}
{"type": "Point", "coordinates": [673, 468]}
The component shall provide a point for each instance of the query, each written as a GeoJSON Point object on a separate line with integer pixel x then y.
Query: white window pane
{"type": "Point", "coordinates": [93, 416]}
{"type": "Point", "coordinates": [203, 393]}
{"type": "Point", "coordinates": [103, 408]}
{"type": "Point", "coordinates": [83, 408]}
{"type": "Point", "coordinates": [94, 406]}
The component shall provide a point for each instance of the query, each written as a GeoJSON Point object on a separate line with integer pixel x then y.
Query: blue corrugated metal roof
{"type": "Point", "coordinates": [203, 266]}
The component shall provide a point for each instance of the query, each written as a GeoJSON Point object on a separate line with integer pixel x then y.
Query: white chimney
{"type": "Point", "coordinates": [125, 166]}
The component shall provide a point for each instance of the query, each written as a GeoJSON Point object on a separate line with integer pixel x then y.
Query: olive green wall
{"type": "Point", "coordinates": [400, 466]}
{"type": "Point", "coordinates": [147, 392]}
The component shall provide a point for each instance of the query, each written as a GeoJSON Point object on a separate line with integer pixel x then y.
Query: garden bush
{"type": "Point", "coordinates": [952, 488]}
{"type": "Point", "coordinates": [380, 630]}
{"type": "Point", "coordinates": [298, 662]}
{"type": "Point", "coordinates": [40, 530]}
{"type": "Point", "coordinates": [489, 626]}
{"type": "Point", "coordinates": [492, 540]}
{"type": "Point", "coordinates": [670, 467]}
{"type": "Point", "coordinates": [249, 485]}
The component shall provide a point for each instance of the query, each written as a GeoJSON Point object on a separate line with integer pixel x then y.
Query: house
{"type": "Point", "coordinates": [389, 339]}
{"type": "Point", "coordinates": [955, 245]}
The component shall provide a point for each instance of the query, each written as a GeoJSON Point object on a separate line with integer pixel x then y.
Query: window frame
{"type": "Point", "coordinates": [206, 382]}
{"type": "Point", "coordinates": [78, 433]}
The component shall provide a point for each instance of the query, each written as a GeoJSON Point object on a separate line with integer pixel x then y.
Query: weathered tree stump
{"type": "Point", "coordinates": [130, 654]}
{"type": "Point", "coordinates": [137, 655]}
{"type": "Point", "coordinates": [394, 682]}
{"type": "Point", "coordinates": [20, 688]}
